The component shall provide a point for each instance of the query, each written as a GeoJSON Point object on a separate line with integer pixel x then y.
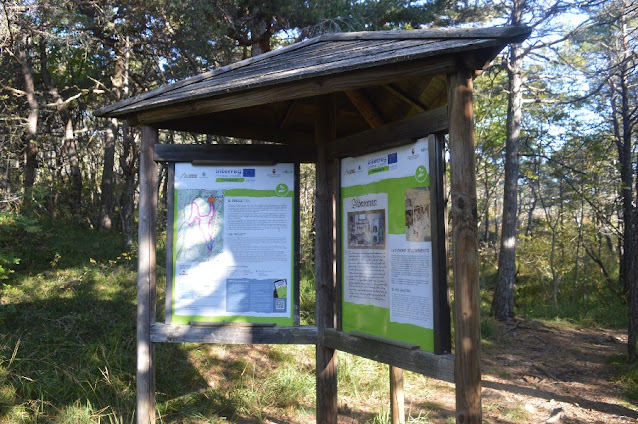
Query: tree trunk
{"type": "Point", "coordinates": [530, 212]}
{"type": "Point", "coordinates": [108, 177]}
{"type": "Point", "coordinates": [127, 199]}
{"type": "Point", "coordinates": [30, 161]}
{"type": "Point", "coordinates": [503, 301]}
{"type": "Point", "coordinates": [632, 278]}
{"type": "Point", "coordinates": [70, 147]}
{"type": "Point", "coordinates": [29, 142]}
{"type": "Point", "coordinates": [552, 264]}
{"type": "Point", "coordinates": [579, 222]}
{"type": "Point", "coordinates": [5, 182]}
{"type": "Point", "coordinates": [75, 199]}
{"type": "Point", "coordinates": [623, 127]}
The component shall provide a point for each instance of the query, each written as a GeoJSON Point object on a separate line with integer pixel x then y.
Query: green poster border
{"type": "Point", "coordinates": [281, 321]}
{"type": "Point", "coordinates": [375, 320]}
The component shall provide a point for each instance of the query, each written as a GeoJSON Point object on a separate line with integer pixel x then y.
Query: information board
{"type": "Point", "coordinates": [232, 244]}
{"type": "Point", "coordinates": [387, 275]}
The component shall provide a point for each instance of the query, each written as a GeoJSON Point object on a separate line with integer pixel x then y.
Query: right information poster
{"type": "Point", "coordinates": [387, 245]}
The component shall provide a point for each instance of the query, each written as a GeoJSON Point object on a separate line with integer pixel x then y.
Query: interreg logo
{"type": "Point", "coordinates": [229, 175]}
{"type": "Point", "coordinates": [421, 174]}
{"type": "Point", "coordinates": [228, 172]}
{"type": "Point", "coordinates": [377, 162]}
{"type": "Point", "coordinates": [381, 163]}
{"type": "Point", "coordinates": [281, 189]}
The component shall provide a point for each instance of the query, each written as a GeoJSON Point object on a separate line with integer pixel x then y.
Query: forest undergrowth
{"type": "Point", "coordinates": [67, 351]}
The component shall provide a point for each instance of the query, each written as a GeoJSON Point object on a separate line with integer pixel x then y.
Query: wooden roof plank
{"type": "Point", "coordinates": [516, 33]}
{"type": "Point", "coordinates": [245, 130]}
{"type": "Point", "coordinates": [259, 80]}
{"type": "Point", "coordinates": [306, 88]}
{"type": "Point", "coordinates": [311, 58]}
{"type": "Point", "coordinates": [319, 57]}
{"type": "Point", "coordinates": [207, 75]}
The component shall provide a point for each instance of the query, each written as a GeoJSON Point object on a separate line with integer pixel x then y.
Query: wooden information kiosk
{"type": "Point", "coordinates": [370, 110]}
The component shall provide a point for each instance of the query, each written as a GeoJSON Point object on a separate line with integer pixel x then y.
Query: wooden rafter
{"type": "Point", "coordinates": [290, 111]}
{"type": "Point", "coordinates": [365, 108]}
{"type": "Point", "coordinates": [398, 132]}
{"type": "Point", "coordinates": [397, 92]}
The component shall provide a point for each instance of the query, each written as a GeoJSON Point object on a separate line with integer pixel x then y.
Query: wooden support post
{"type": "Point", "coordinates": [146, 278]}
{"type": "Point", "coordinates": [326, 358]}
{"type": "Point", "coordinates": [397, 401]}
{"type": "Point", "coordinates": [465, 268]}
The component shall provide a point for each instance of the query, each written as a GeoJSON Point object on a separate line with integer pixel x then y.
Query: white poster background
{"type": "Point", "coordinates": [256, 234]}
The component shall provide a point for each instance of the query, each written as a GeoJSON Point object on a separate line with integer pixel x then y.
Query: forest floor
{"type": "Point", "coordinates": [533, 372]}
{"type": "Point", "coordinates": [540, 373]}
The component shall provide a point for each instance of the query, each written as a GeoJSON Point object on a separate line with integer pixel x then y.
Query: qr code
{"type": "Point", "coordinates": [280, 304]}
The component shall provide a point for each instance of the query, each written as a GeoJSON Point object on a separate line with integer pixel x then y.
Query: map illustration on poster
{"type": "Point", "coordinates": [233, 254]}
{"type": "Point", "coordinates": [387, 275]}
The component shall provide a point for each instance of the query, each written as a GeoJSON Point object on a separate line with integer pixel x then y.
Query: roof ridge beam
{"type": "Point", "coordinates": [507, 32]}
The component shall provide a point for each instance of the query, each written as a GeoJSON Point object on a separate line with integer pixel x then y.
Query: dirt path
{"type": "Point", "coordinates": [532, 373]}
{"type": "Point", "coordinates": [537, 373]}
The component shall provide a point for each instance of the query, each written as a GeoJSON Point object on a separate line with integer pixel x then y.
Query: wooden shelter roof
{"type": "Point", "coordinates": [378, 78]}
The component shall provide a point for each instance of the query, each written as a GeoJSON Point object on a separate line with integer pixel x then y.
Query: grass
{"type": "Point", "coordinates": [67, 347]}
{"type": "Point", "coordinates": [626, 375]}
{"type": "Point", "coordinates": [68, 317]}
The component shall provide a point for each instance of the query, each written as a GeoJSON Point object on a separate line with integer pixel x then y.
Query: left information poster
{"type": "Point", "coordinates": [232, 244]}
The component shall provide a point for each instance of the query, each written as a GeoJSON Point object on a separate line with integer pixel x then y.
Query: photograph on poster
{"type": "Point", "coordinates": [417, 214]}
{"type": "Point", "coordinates": [281, 289]}
{"type": "Point", "coordinates": [366, 229]}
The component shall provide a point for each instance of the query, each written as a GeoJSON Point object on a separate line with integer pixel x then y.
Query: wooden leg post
{"type": "Point", "coordinates": [397, 407]}
{"type": "Point", "coordinates": [467, 321]}
{"type": "Point", "coordinates": [145, 409]}
{"type": "Point", "coordinates": [325, 284]}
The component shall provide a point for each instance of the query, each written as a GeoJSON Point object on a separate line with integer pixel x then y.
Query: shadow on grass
{"type": "Point", "coordinates": [69, 346]}
{"type": "Point", "coordinates": [68, 342]}
{"type": "Point", "coordinates": [68, 336]}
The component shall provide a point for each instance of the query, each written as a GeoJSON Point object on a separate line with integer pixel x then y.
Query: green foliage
{"type": "Point", "coordinates": [307, 296]}
{"type": "Point", "coordinates": [15, 229]}
{"type": "Point", "coordinates": [487, 326]}
{"type": "Point", "coordinates": [70, 343]}
{"type": "Point", "coordinates": [626, 375]}
{"type": "Point", "coordinates": [383, 417]}
{"type": "Point", "coordinates": [360, 378]}
{"type": "Point", "coordinates": [586, 299]}
{"type": "Point", "coordinates": [605, 313]}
